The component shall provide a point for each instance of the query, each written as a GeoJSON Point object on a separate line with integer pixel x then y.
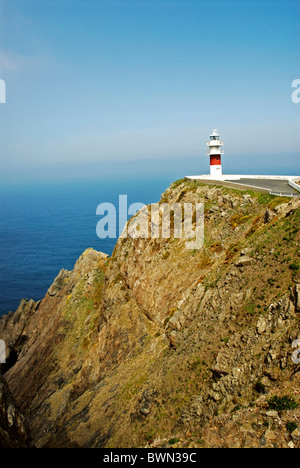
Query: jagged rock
{"type": "Point", "coordinates": [13, 429]}
{"type": "Point", "coordinates": [234, 369]}
{"type": "Point", "coordinates": [173, 338]}
{"type": "Point", "coordinates": [247, 198]}
{"type": "Point", "coordinates": [247, 251]}
{"type": "Point", "coordinates": [280, 209]}
{"type": "Point", "coordinates": [296, 293]}
{"type": "Point", "coordinates": [270, 436]}
{"type": "Point", "coordinates": [212, 193]}
{"type": "Point", "coordinates": [296, 435]}
{"type": "Point", "coordinates": [272, 414]}
{"type": "Point", "coordinates": [177, 321]}
{"type": "Point", "coordinates": [147, 400]}
{"type": "Point", "coordinates": [269, 216]}
{"type": "Point", "coordinates": [58, 282]}
{"type": "Point", "coordinates": [262, 325]}
{"type": "Point", "coordinates": [244, 261]}
{"type": "Point", "coordinates": [287, 208]}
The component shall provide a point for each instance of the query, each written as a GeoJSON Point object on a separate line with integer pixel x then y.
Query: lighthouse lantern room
{"type": "Point", "coordinates": [215, 152]}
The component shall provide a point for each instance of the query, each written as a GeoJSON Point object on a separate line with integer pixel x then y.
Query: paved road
{"type": "Point", "coordinates": [278, 186]}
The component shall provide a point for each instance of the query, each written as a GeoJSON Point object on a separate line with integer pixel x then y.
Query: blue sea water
{"type": "Point", "coordinates": [46, 227]}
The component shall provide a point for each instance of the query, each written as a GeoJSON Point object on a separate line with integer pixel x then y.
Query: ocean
{"type": "Point", "coordinates": [46, 227]}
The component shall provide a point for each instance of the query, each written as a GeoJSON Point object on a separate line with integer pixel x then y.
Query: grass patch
{"type": "Point", "coordinates": [250, 309]}
{"type": "Point", "coordinates": [173, 441]}
{"type": "Point", "coordinates": [238, 219]}
{"type": "Point", "coordinates": [291, 426]}
{"type": "Point", "coordinates": [265, 198]}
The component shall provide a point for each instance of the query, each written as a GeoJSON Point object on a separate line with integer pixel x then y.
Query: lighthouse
{"type": "Point", "coordinates": [279, 185]}
{"type": "Point", "coordinates": [215, 152]}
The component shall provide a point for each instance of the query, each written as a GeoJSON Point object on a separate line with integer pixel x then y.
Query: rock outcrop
{"type": "Point", "coordinates": [13, 429]}
{"type": "Point", "coordinates": [159, 342]}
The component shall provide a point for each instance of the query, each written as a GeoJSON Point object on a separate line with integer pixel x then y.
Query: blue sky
{"type": "Point", "coordinates": [103, 87]}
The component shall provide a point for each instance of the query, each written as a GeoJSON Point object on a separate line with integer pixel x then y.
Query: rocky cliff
{"type": "Point", "coordinates": [13, 429]}
{"type": "Point", "coordinates": [159, 345]}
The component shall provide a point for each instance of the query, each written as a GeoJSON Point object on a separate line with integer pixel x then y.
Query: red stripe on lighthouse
{"type": "Point", "coordinates": [215, 160]}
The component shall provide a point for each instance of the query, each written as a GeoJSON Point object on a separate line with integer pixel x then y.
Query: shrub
{"type": "Point", "coordinates": [281, 403]}
{"type": "Point", "coordinates": [291, 426]}
{"type": "Point", "coordinates": [238, 218]}
{"type": "Point", "coordinates": [173, 441]}
{"type": "Point", "coordinates": [250, 309]}
{"type": "Point", "coordinates": [294, 266]}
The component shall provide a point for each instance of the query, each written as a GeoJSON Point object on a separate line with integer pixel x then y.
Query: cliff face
{"type": "Point", "coordinates": [161, 342]}
{"type": "Point", "coordinates": [13, 430]}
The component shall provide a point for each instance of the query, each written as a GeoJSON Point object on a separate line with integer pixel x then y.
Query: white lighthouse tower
{"type": "Point", "coordinates": [215, 152]}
